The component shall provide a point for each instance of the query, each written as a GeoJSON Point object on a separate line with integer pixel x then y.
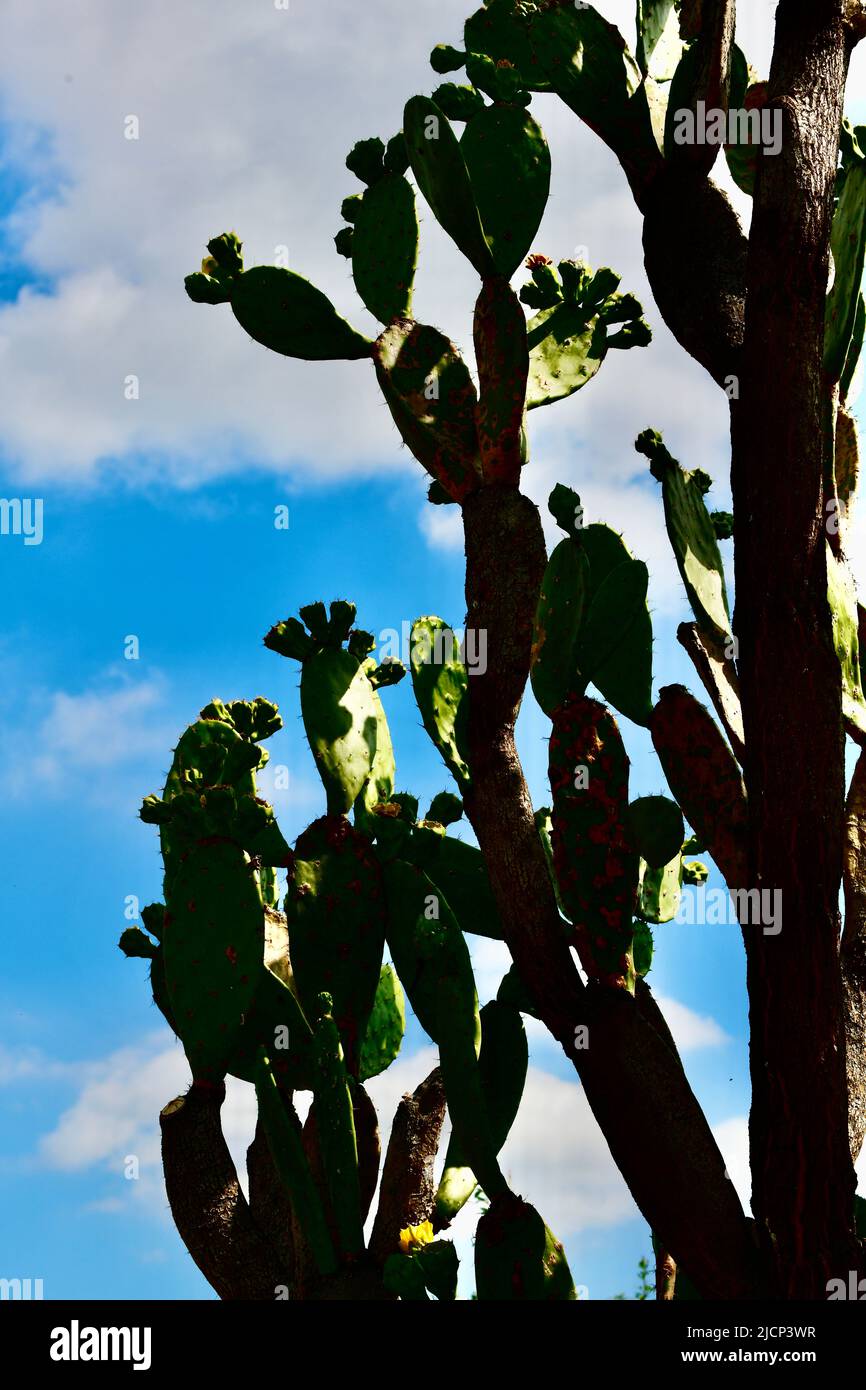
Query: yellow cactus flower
{"type": "Point", "coordinates": [416, 1237]}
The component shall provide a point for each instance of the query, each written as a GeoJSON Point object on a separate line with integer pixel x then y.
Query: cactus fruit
{"type": "Point", "coordinates": [385, 248]}
{"type": "Point", "coordinates": [703, 775]}
{"type": "Point", "coordinates": [596, 864]}
{"type": "Point", "coordinates": [335, 914]}
{"type": "Point", "coordinates": [385, 1027]}
{"type": "Point", "coordinates": [508, 162]}
{"type": "Point", "coordinates": [503, 1063]}
{"type": "Point", "coordinates": [441, 174]}
{"type": "Point", "coordinates": [503, 364]}
{"type": "Point", "coordinates": [284, 312]}
{"type": "Point", "coordinates": [691, 534]}
{"type": "Point", "coordinates": [517, 1258]}
{"type": "Point", "coordinates": [848, 245]}
{"type": "Point", "coordinates": [432, 400]}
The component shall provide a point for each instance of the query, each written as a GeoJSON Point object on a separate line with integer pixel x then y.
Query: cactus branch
{"type": "Point", "coordinates": [788, 670]}
{"type": "Point", "coordinates": [407, 1190]}
{"type": "Point", "coordinates": [208, 1207]}
{"type": "Point", "coordinates": [719, 679]}
{"type": "Point", "coordinates": [854, 954]}
{"type": "Point", "coordinates": [634, 1083]}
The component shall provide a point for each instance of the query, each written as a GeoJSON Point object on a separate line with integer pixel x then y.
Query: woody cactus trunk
{"type": "Point", "coordinates": [286, 966]}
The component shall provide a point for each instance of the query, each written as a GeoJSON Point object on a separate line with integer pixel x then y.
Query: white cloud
{"type": "Point", "coordinates": [732, 1137]}
{"type": "Point", "coordinates": [691, 1031]}
{"type": "Point", "coordinates": [87, 741]}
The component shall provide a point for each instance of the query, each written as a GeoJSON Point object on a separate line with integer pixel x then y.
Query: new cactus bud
{"type": "Point", "coordinates": [441, 686]}
{"type": "Point", "coordinates": [445, 58]}
{"type": "Point", "coordinates": [458, 102]}
{"type": "Point", "coordinates": [366, 160]}
{"type": "Point", "coordinates": [134, 943]}
{"type": "Point", "coordinates": [396, 154]}
{"type": "Point", "coordinates": [691, 534]}
{"type": "Point", "coordinates": [445, 808]}
{"type": "Point", "coordinates": [344, 242]}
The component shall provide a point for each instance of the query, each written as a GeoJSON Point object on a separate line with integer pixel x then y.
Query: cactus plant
{"type": "Point", "coordinates": [233, 974]}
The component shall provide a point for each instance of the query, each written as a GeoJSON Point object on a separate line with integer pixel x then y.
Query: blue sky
{"type": "Point", "coordinates": [159, 523]}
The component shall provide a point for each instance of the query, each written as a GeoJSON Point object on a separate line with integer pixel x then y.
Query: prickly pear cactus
{"type": "Point", "coordinates": [594, 854]}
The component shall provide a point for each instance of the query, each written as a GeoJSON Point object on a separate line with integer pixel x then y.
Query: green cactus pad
{"type": "Point", "coordinates": [441, 174]}
{"type": "Point", "coordinates": [341, 720]}
{"type": "Point", "coordinates": [703, 775]}
{"type": "Point", "coordinates": [432, 399]}
{"type": "Point", "coordinates": [854, 351]}
{"type": "Point", "coordinates": [386, 1026]}
{"type": "Point", "coordinates": [274, 1019]}
{"type": "Point", "coordinates": [433, 963]}
{"type": "Point", "coordinates": [692, 535]}
{"type": "Point", "coordinates": [842, 596]}
{"type": "Point", "coordinates": [213, 948]}
{"type": "Point", "coordinates": [335, 1127]}
{"type": "Point", "coordinates": [659, 45]}
{"type": "Point", "coordinates": [517, 1258]}
{"type": "Point", "coordinates": [742, 155]}
{"type": "Point", "coordinates": [508, 161]}
{"type": "Point", "coordinates": [498, 31]}
{"type": "Point", "coordinates": [134, 943]}
{"type": "Point", "coordinates": [385, 248]}
{"type": "Point", "coordinates": [657, 829]}
{"type": "Point", "coordinates": [642, 950]}
{"type": "Point", "coordinates": [660, 891]}
{"type": "Point", "coordinates": [335, 913]}
{"type": "Point", "coordinates": [503, 1063]}
{"type": "Point", "coordinates": [558, 619]}
{"type": "Point", "coordinates": [614, 649]}
{"type": "Point", "coordinates": [287, 314]}
{"type": "Point", "coordinates": [596, 865]}
{"type": "Point", "coordinates": [458, 870]}
{"type": "Point", "coordinates": [445, 809]}
{"type": "Point", "coordinates": [441, 686]}
{"type": "Point", "coordinates": [380, 783]}
{"type": "Point", "coordinates": [848, 245]}
{"type": "Point", "coordinates": [588, 65]}
{"type": "Point", "coordinates": [283, 1132]}
{"type": "Point", "coordinates": [565, 352]}
{"type": "Point", "coordinates": [502, 356]}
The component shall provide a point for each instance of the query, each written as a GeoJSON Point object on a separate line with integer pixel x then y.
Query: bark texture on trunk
{"type": "Point", "coordinates": [634, 1081]}
{"type": "Point", "coordinates": [207, 1204]}
{"type": "Point", "coordinates": [803, 1184]}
